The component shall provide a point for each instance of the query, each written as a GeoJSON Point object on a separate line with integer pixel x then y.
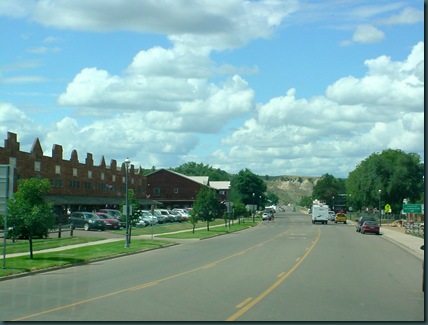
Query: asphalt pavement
{"type": "Point", "coordinates": [408, 242]}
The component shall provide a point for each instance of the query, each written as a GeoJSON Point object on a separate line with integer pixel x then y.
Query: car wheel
{"type": "Point", "coordinates": [377, 233]}
{"type": "Point", "coordinates": [86, 226]}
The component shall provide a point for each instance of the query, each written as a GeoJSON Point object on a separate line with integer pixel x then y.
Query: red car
{"type": "Point", "coordinates": [370, 226]}
{"type": "Point", "coordinates": [111, 223]}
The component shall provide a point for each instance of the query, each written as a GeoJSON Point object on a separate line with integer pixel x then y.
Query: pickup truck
{"type": "Point", "coordinates": [340, 217]}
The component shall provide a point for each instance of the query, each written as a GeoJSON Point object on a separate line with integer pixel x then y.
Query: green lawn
{"type": "Point", "coordinates": [21, 264]}
{"type": "Point", "coordinates": [214, 231]}
{"type": "Point", "coordinates": [22, 245]}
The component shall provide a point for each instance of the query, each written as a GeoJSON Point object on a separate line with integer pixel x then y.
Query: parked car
{"type": "Point", "coordinates": [165, 215]}
{"type": "Point", "coordinates": [142, 222]}
{"type": "Point", "coordinates": [161, 218]}
{"type": "Point", "coordinates": [147, 216]}
{"type": "Point", "coordinates": [116, 214]}
{"type": "Point", "coordinates": [177, 216]}
{"type": "Point", "coordinates": [112, 212]}
{"type": "Point", "coordinates": [370, 226]}
{"type": "Point", "coordinates": [361, 221]}
{"type": "Point", "coordinates": [86, 220]}
{"type": "Point", "coordinates": [340, 217]}
{"type": "Point", "coordinates": [183, 214]}
{"type": "Point", "coordinates": [111, 223]}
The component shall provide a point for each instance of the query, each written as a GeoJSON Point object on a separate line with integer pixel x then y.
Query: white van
{"type": "Point", "coordinates": [319, 212]}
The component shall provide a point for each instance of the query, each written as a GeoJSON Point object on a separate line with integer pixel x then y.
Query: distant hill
{"type": "Point", "coordinates": [290, 189]}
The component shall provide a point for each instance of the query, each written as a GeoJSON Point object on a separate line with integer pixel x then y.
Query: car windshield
{"type": "Point", "coordinates": [370, 223]}
{"type": "Point", "coordinates": [91, 215]}
{"type": "Point", "coordinates": [113, 213]}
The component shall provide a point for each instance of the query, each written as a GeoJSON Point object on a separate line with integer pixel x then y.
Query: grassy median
{"type": "Point", "coordinates": [23, 264]}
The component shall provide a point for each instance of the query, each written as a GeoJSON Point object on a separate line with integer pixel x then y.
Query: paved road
{"type": "Point", "coordinates": [289, 270]}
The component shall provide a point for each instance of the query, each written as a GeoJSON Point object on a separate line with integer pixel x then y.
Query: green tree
{"type": "Point", "coordinates": [206, 207]}
{"type": "Point", "coordinates": [28, 212]}
{"type": "Point", "coordinates": [306, 201]}
{"type": "Point", "coordinates": [195, 169]}
{"type": "Point", "coordinates": [272, 198]}
{"type": "Point", "coordinates": [396, 174]}
{"type": "Point", "coordinates": [239, 209]}
{"type": "Point", "coordinates": [327, 187]}
{"type": "Point", "coordinates": [248, 187]}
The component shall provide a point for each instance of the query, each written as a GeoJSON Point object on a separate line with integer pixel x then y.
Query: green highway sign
{"type": "Point", "coordinates": [412, 208]}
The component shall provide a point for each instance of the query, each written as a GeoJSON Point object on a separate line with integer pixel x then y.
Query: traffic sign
{"type": "Point", "coordinates": [412, 208]}
{"type": "Point", "coordinates": [387, 208]}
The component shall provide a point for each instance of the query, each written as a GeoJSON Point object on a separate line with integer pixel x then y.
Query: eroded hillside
{"type": "Point", "coordinates": [290, 189]}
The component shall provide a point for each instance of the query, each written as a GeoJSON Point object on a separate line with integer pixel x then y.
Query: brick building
{"type": "Point", "coordinates": [75, 185]}
{"type": "Point", "coordinates": [174, 190]}
{"type": "Point", "coordinates": [86, 186]}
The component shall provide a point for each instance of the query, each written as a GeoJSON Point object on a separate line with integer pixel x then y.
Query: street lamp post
{"type": "Point", "coordinates": [380, 213]}
{"type": "Point", "coordinates": [228, 205]}
{"type": "Point", "coordinates": [127, 161]}
{"type": "Point", "coordinates": [254, 213]}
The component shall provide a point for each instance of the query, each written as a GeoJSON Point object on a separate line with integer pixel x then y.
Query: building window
{"type": "Point", "coordinates": [57, 183]}
{"type": "Point", "coordinates": [156, 191]}
{"type": "Point", "coordinates": [89, 186]}
{"type": "Point", "coordinates": [58, 169]}
{"type": "Point", "coordinates": [37, 166]}
{"type": "Point", "coordinates": [74, 171]}
{"type": "Point", "coordinates": [102, 176]}
{"type": "Point", "coordinates": [176, 190]}
{"type": "Point", "coordinates": [113, 178]}
{"type": "Point", "coordinates": [123, 179]}
{"type": "Point", "coordinates": [74, 184]}
{"type": "Point", "coordinates": [89, 173]}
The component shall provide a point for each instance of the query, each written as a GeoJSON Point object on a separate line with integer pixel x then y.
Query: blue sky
{"type": "Point", "coordinates": [279, 87]}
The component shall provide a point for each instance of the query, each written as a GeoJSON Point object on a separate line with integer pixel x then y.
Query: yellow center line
{"type": "Point", "coordinates": [146, 285]}
{"type": "Point", "coordinates": [142, 286]}
{"type": "Point", "coordinates": [242, 304]}
{"type": "Point", "coordinates": [275, 285]}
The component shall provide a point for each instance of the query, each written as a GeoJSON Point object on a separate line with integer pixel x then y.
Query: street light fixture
{"type": "Point", "coordinates": [127, 162]}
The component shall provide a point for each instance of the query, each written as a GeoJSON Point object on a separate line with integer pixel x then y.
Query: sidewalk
{"type": "Point", "coordinates": [409, 242]}
{"type": "Point", "coordinates": [98, 242]}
